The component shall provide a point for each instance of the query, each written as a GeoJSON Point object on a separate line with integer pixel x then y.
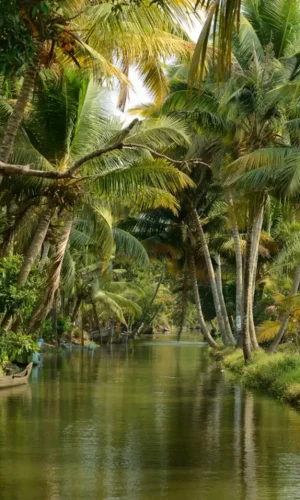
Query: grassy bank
{"type": "Point", "coordinates": [276, 374]}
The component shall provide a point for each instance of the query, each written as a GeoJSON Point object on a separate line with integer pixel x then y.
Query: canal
{"type": "Point", "coordinates": [156, 420]}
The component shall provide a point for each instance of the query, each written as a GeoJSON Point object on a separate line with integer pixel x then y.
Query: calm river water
{"type": "Point", "coordinates": [155, 421]}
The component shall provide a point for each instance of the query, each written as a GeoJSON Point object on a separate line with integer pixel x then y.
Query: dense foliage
{"type": "Point", "coordinates": [185, 216]}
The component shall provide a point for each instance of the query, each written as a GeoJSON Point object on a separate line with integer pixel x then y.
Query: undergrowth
{"type": "Point", "coordinates": [277, 374]}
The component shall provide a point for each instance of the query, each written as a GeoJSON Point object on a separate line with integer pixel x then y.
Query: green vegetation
{"type": "Point", "coordinates": [277, 374]}
{"type": "Point", "coordinates": [186, 215]}
{"type": "Point", "coordinates": [12, 345]}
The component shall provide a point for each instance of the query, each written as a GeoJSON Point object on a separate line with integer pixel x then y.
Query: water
{"type": "Point", "coordinates": [157, 422]}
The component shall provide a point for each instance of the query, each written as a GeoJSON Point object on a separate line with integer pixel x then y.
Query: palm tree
{"type": "Point", "coordinates": [264, 21]}
{"type": "Point", "coordinates": [211, 342]}
{"type": "Point", "coordinates": [222, 17]}
{"type": "Point", "coordinates": [248, 111]}
{"type": "Point", "coordinates": [66, 123]}
{"type": "Point", "coordinates": [133, 35]}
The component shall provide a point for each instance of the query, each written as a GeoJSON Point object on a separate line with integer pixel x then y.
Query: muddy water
{"type": "Point", "coordinates": [158, 420]}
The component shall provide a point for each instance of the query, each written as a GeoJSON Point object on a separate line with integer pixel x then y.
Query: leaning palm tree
{"type": "Point", "coordinates": [69, 33]}
{"type": "Point", "coordinates": [248, 112]}
{"type": "Point", "coordinates": [64, 127]}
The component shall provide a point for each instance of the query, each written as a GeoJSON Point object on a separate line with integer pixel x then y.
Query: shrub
{"type": "Point", "coordinates": [46, 330]}
{"type": "Point", "coordinates": [278, 374]}
{"type": "Point", "coordinates": [64, 326]}
{"type": "Point", "coordinates": [77, 333]}
{"type": "Point", "coordinates": [14, 297]}
{"type": "Point", "coordinates": [292, 393]}
{"type": "Point", "coordinates": [235, 361]}
{"type": "Point", "coordinates": [12, 345]}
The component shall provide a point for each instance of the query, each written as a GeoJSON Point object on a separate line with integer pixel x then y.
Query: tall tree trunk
{"type": "Point", "coordinates": [15, 119]}
{"type": "Point", "coordinates": [76, 308]}
{"type": "Point", "coordinates": [53, 276]}
{"type": "Point", "coordinates": [96, 316]}
{"type": "Point", "coordinates": [150, 322]}
{"type": "Point", "coordinates": [30, 257]}
{"type": "Point", "coordinates": [200, 316]}
{"type": "Point", "coordinates": [247, 346]}
{"type": "Point", "coordinates": [82, 326]}
{"type": "Point", "coordinates": [285, 321]}
{"type": "Point", "coordinates": [239, 268]}
{"type": "Point", "coordinates": [183, 298]}
{"type": "Point", "coordinates": [35, 245]}
{"type": "Point", "coordinates": [45, 252]}
{"type": "Point", "coordinates": [212, 279]}
{"type": "Point", "coordinates": [7, 321]}
{"type": "Point", "coordinates": [150, 303]}
{"type": "Point", "coordinates": [253, 235]}
{"type": "Point", "coordinates": [54, 321]}
{"type": "Point", "coordinates": [11, 232]}
{"type": "Point", "coordinates": [9, 235]}
{"type": "Point", "coordinates": [221, 297]}
{"type": "Point", "coordinates": [257, 227]}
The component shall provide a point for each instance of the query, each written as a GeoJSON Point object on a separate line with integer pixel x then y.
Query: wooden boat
{"type": "Point", "coordinates": [16, 379]}
{"type": "Point", "coordinates": [102, 336]}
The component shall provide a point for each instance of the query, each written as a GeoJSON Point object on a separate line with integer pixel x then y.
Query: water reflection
{"type": "Point", "coordinates": [152, 421]}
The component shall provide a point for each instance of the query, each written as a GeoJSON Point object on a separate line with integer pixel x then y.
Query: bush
{"type": "Point", "coordinates": [235, 361]}
{"type": "Point", "coordinates": [77, 333]}
{"type": "Point", "coordinates": [14, 297]}
{"type": "Point", "coordinates": [64, 326]}
{"type": "Point", "coordinates": [292, 393]}
{"type": "Point", "coordinates": [46, 330]}
{"type": "Point", "coordinates": [267, 371]}
{"type": "Point", "coordinates": [277, 374]}
{"type": "Point", "coordinates": [12, 345]}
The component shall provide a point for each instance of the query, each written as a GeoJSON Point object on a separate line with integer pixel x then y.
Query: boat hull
{"type": "Point", "coordinates": [17, 379]}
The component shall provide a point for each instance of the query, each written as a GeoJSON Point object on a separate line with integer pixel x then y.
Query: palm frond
{"type": "Point", "coordinates": [111, 307]}
{"type": "Point", "coordinates": [159, 133]}
{"type": "Point", "coordinates": [221, 18]}
{"type": "Point", "coordinates": [159, 174]}
{"type": "Point", "coordinates": [128, 246]}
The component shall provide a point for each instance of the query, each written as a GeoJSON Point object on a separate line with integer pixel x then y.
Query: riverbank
{"type": "Point", "coordinates": [277, 375]}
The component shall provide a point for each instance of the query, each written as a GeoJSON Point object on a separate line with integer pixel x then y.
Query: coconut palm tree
{"type": "Point", "coordinates": [66, 123]}
{"type": "Point", "coordinates": [130, 35]}
{"type": "Point", "coordinates": [257, 22]}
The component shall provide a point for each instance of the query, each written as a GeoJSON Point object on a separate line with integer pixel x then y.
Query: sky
{"type": "Point", "coordinates": [138, 94]}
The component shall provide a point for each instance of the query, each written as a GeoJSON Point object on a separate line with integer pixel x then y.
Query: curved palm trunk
{"type": "Point", "coordinates": [200, 316]}
{"type": "Point", "coordinates": [246, 340]}
{"type": "Point", "coordinates": [96, 316]}
{"type": "Point", "coordinates": [35, 246]}
{"type": "Point", "coordinates": [30, 257]}
{"type": "Point", "coordinates": [142, 320]}
{"type": "Point", "coordinates": [45, 252]}
{"type": "Point", "coordinates": [15, 119]}
{"type": "Point", "coordinates": [150, 322]}
{"type": "Point", "coordinates": [252, 330]}
{"type": "Point", "coordinates": [212, 279]}
{"type": "Point", "coordinates": [285, 321]}
{"type": "Point", "coordinates": [258, 221]}
{"type": "Point", "coordinates": [7, 321]}
{"type": "Point", "coordinates": [254, 230]}
{"type": "Point", "coordinates": [53, 276]}
{"type": "Point", "coordinates": [221, 297]}
{"type": "Point", "coordinates": [184, 299]}
{"type": "Point", "coordinates": [239, 270]}
{"type": "Point", "coordinates": [10, 234]}
{"type": "Point", "coordinates": [76, 308]}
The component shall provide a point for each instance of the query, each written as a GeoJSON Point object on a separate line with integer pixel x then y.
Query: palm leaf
{"type": "Point", "coordinates": [128, 246]}
{"type": "Point", "coordinates": [222, 17]}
